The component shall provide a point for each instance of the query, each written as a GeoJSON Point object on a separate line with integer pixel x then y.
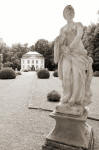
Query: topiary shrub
{"type": "Point", "coordinates": [43, 74]}
{"type": "Point", "coordinates": [25, 70]}
{"type": "Point", "coordinates": [55, 73]}
{"type": "Point", "coordinates": [18, 73]}
{"type": "Point", "coordinates": [53, 96]}
{"type": "Point", "coordinates": [7, 73]}
{"type": "Point", "coordinates": [96, 73]}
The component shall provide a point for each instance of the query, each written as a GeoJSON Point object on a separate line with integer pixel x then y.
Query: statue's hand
{"type": "Point", "coordinates": [71, 102]}
{"type": "Point", "coordinates": [65, 49]}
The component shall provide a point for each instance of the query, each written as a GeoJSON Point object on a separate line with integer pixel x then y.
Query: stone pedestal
{"type": "Point", "coordinates": [70, 133]}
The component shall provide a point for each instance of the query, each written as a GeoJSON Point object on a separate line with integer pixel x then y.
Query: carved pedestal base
{"type": "Point", "coordinates": [70, 133]}
{"type": "Point", "coordinates": [52, 145]}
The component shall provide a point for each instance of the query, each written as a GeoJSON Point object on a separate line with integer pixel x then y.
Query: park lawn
{"type": "Point", "coordinates": [41, 87]}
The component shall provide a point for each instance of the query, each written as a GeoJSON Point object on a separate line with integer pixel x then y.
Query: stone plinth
{"type": "Point", "coordinates": [70, 133]}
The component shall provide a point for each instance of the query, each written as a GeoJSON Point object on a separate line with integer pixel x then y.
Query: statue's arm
{"type": "Point", "coordinates": [57, 45]}
{"type": "Point", "coordinates": [78, 36]}
{"type": "Point", "coordinates": [56, 50]}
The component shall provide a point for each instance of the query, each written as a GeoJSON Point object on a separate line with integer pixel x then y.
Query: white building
{"type": "Point", "coordinates": [32, 61]}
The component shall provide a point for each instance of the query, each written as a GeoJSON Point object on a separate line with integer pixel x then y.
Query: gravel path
{"type": "Point", "coordinates": [20, 128]}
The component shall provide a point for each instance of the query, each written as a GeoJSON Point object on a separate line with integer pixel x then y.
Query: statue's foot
{"type": "Point", "coordinates": [59, 107]}
{"type": "Point", "coordinates": [64, 100]}
{"type": "Point", "coordinates": [71, 102]}
{"type": "Point", "coordinates": [70, 109]}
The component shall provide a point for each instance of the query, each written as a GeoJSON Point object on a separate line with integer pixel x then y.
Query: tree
{"type": "Point", "coordinates": [88, 39]}
{"type": "Point", "coordinates": [91, 43]}
{"type": "Point", "coordinates": [96, 50]}
{"type": "Point", "coordinates": [42, 47]}
{"type": "Point", "coordinates": [32, 48]}
{"type": "Point", "coordinates": [18, 50]}
{"type": "Point", "coordinates": [8, 64]}
{"type": "Point", "coordinates": [52, 66]}
{"type": "Point", "coordinates": [6, 54]}
{"type": "Point", "coordinates": [16, 64]}
{"type": "Point", "coordinates": [12, 55]}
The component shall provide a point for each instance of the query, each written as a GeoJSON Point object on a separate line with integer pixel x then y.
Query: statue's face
{"type": "Point", "coordinates": [68, 13]}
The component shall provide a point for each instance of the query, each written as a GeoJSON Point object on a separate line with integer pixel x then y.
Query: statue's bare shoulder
{"type": "Point", "coordinates": [79, 26]}
{"type": "Point", "coordinates": [63, 29]}
{"type": "Point", "coordinates": [61, 35]}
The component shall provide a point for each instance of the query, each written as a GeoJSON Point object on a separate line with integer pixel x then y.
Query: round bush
{"type": "Point", "coordinates": [55, 74]}
{"type": "Point", "coordinates": [18, 73]}
{"type": "Point", "coordinates": [7, 73]}
{"type": "Point", "coordinates": [43, 74]}
{"type": "Point", "coordinates": [53, 96]}
{"type": "Point", "coordinates": [25, 70]}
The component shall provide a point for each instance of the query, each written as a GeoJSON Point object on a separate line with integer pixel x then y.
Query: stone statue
{"type": "Point", "coordinates": [71, 131]}
{"type": "Point", "coordinates": [74, 66]}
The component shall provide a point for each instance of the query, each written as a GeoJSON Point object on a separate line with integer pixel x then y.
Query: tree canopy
{"type": "Point", "coordinates": [12, 55]}
{"type": "Point", "coordinates": [91, 43]}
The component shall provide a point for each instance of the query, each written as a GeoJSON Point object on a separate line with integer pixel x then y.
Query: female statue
{"type": "Point", "coordinates": [74, 65]}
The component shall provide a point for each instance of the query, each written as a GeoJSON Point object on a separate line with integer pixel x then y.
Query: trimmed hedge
{"type": "Point", "coordinates": [25, 70]}
{"type": "Point", "coordinates": [53, 96]}
{"type": "Point", "coordinates": [43, 74]}
{"type": "Point", "coordinates": [7, 73]}
{"type": "Point", "coordinates": [18, 73]}
{"type": "Point", "coordinates": [55, 73]}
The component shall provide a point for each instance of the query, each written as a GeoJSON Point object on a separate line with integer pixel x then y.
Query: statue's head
{"type": "Point", "coordinates": [68, 12]}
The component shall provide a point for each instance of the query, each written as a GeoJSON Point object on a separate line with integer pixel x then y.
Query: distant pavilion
{"type": "Point", "coordinates": [32, 60]}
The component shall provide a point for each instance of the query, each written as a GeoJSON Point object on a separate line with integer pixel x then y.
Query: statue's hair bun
{"type": "Point", "coordinates": [68, 8]}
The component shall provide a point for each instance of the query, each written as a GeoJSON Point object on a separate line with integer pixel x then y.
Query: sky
{"type": "Point", "coordinates": [26, 21]}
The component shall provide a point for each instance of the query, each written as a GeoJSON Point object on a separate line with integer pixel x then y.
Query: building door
{"type": "Point", "coordinates": [32, 68]}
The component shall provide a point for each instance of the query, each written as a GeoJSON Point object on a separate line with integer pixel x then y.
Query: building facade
{"type": "Point", "coordinates": [32, 61]}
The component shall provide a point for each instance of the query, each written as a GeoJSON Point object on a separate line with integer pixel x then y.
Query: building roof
{"type": "Point", "coordinates": [31, 54]}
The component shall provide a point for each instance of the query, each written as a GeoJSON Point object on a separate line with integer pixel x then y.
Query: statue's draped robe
{"type": "Point", "coordinates": [74, 66]}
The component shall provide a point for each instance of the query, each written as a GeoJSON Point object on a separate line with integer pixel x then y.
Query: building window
{"type": "Point", "coordinates": [41, 61]}
{"type": "Point", "coordinates": [36, 61]}
{"type": "Point", "coordinates": [23, 61]}
{"type": "Point", "coordinates": [37, 67]}
{"type": "Point", "coordinates": [32, 61]}
{"type": "Point", "coordinates": [28, 67]}
{"type": "Point", "coordinates": [42, 67]}
{"type": "Point", "coordinates": [28, 61]}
